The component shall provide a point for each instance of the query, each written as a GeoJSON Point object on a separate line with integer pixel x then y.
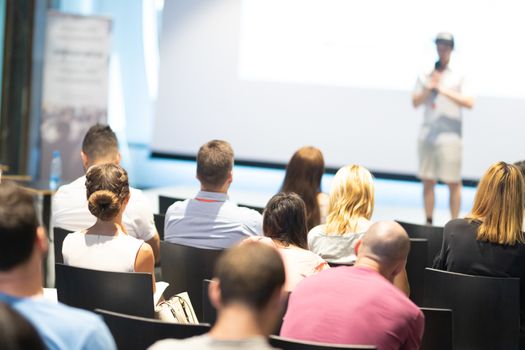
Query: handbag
{"type": "Point", "coordinates": [177, 309]}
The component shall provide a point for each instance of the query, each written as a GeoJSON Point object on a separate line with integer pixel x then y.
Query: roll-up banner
{"type": "Point", "coordinates": [75, 87]}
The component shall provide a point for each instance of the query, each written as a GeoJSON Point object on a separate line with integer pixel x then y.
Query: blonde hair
{"type": "Point", "coordinates": [499, 205]}
{"type": "Point", "coordinates": [351, 198]}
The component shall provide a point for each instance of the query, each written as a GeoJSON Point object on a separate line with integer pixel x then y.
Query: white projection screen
{"type": "Point", "coordinates": [273, 75]}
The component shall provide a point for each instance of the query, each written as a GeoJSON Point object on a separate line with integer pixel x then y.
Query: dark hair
{"type": "Point", "coordinates": [99, 142]}
{"type": "Point", "coordinates": [106, 188]}
{"type": "Point", "coordinates": [18, 225]}
{"type": "Point", "coordinates": [284, 219]}
{"type": "Point", "coordinates": [214, 163]}
{"type": "Point", "coordinates": [16, 333]}
{"type": "Point", "coordinates": [249, 274]}
{"type": "Point", "coordinates": [303, 176]}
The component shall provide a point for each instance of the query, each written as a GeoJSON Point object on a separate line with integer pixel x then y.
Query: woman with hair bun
{"type": "Point", "coordinates": [106, 245]}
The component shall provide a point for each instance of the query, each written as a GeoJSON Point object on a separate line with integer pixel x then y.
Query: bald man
{"type": "Point", "coordinates": [359, 304]}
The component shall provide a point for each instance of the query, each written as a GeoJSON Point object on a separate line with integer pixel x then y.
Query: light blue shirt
{"type": "Point", "coordinates": [63, 327]}
{"type": "Point", "coordinates": [210, 221]}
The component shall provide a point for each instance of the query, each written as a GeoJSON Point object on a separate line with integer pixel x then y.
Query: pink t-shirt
{"type": "Point", "coordinates": [353, 305]}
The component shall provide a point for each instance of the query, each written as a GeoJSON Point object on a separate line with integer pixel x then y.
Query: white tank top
{"type": "Point", "coordinates": [100, 252]}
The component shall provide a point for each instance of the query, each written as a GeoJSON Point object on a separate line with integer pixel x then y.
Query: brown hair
{"type": "Point", "coordinates": [249, 274]}
{"type": "Point", "coordinates": [499, 205]}
{"type": "Point", "coordinates": [99, 142]}
{"type": "Point", "coordinates": [284, 219]}
{"type": "Point", "coordinates": [214, 163]}
{"type": "Point", "coordinates": [303, 176]}
{"type": "Point", "coordinates": [18, 225]}
{"type": "Point", "coordinates": [106, 188]}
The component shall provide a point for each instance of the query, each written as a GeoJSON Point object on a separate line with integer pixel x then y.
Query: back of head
{"type": "Point", "coordinates": [249, 274]}
{"type": "Point", "coordinates": [521, 166]}
{"type": "Point", "coordinates": [385, 242]}
{"type": "Point", "coordinates": [100, 142]}
{"type": "Point", "coordinates": [351, 197]}
{"type": "Point", "coordinates": [16, 333]}
{"type": "Point", "coordinates": [106, 188]}
{"type": "Point", "coordinates": [284, 219]}
{"type": "Point", "coordinates": [499, 205]}
{"type": "Point", "coordinates": [18, 226]}
{"type": "Point", "coordinates": [303, 176]}
{"type": "Point", "coordinates": [214, 163]}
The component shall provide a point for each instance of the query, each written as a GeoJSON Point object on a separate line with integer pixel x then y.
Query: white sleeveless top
{"type": "Point", "coordinates": [101, 252]}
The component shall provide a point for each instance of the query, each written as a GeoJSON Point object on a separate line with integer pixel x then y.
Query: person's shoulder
{"type": "Point", "coordinates": [317, 231]}
{"type": "Point", "coordinates": [460, 225]}
{"type": "Point", "coordinates": [167, 344]}
{"type": "Point", "coordinates": [73, 187]}
{"type": "Point", "coordinates": [177, 206]}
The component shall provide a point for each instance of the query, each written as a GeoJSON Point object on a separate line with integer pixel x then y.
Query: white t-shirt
{"type": "Point", "coordinates": [70, 211]}
{"type": "Point", "coordinates": [101, 252]}
{"type": "Point", "coordinates": [442, 116]}
{"type": "Point", "coordinates": [334, 248]}
{"type": "Point", "coordinates": [205, 342]}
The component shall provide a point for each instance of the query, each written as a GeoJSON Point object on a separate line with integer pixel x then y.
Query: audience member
{"type": "Point", "coordinates": [23, 245]}
{"type": "Point", "coordinates": [70, 208]}
{"type": "Point", "coordinates": [16, 333]}
{"type": "Point", "coordinates": [211, 220]}
{"type": "Point", "coordinates": [303, 176]}
{"type": "Point", "coordinates": [490, 240]}
{"type": "Point", "coordinates": [105, 245]}
{"type": "Point", "coordinates": [247, 292]}
{"type": "Point", "coordinates": [359, 304]}
{"type": "Point", "coordinates": [284, 226]}
{"type": "Point", "coordinates": [350, 210]}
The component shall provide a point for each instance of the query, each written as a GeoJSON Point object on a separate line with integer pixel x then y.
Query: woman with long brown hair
{"type": "Point", "coordinates": [303, 176]}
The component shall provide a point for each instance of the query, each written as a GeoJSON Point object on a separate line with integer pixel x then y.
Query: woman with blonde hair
{"type": "Point", "coordinates": [350, 209]}
{"type": "Point", "coordinates": [106, 245]}
{"type": "Point", "coordinates": [303, 176]}
{"type": "Point", "coordinates": [351, 206]}
{"type": "Point", "coordinates": [490, 241]}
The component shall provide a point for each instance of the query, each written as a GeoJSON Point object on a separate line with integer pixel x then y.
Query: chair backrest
{"type": "Point", "coordinates": [416, 263]}
{"type": "Point", "coordinates": [132, 332]}
{"type": "Point", "coordinates": [433, 234]}
{"type": "Point", "coordinates": [291, 344]}
{"type": "Point", "coordinates": [209, 314]}
{"type": "Point", "coordinates": [59, 234]}
{"type": "Point", "coordinates": [486, 310]}
{"type": "Point", "coordinates": [165, 202]}
{"type": "Point", "coordinates": [159, 224]}
{"type": "Point", "coordinates": [184, 268]}
{"type": "Point", "coordinates": [259, 209]}
{"type": "Point", "coordinates": [438, 329]}
{"type": "Point", "coordinates": [129, 293]}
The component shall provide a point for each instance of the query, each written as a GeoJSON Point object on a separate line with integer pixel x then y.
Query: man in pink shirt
{"type": "Point", "coordinates": [359, 304]}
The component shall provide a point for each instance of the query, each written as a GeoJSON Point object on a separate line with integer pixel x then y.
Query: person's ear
{"type": "Point", "coordinates": [358, 246]}
{"type": "Point", "coordinates": [214, 293]}
{"type": "Point", "coordinates": [85, 160]}
{"type": "Point", "coordinates": [118, 158]}
{"type": "Point", "coordinates": [41, 241]}
{"type": "Point", "coordinates": [400, 266]}
{"type": "Point", "coordinates": [126, 200]}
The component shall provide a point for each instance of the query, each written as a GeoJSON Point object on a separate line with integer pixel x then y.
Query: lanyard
{"type": "Point", "coordinates": [207, 200]}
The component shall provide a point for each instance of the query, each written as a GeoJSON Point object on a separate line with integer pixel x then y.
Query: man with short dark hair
{"type": "Point", "coordinates": [211, 220]}
{"type": "Point", "coordinates": [70, 206]}
{"type": "Point", "coordinates": [23, 245]}
{"type": "Point", "coordinates": [247, 292]}
{"type": "Point", "coordinates": [359, 304]}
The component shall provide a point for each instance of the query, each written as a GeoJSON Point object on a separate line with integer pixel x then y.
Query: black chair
{"type": "Point", "coordinates": [59, 234]}
{"type": "Point", "coordinates": [129, 293]}
{"type": "Point", "coordinates": [209, 314]}
{"type": "Point", "coordinates": [486, 310]}
{"type": "Point", "coordinates": [159, 224]}
{"type": "Point", "coordinates": [184, 268]}
{"type": "Point", "coordinates": [259, 209]}
{"type": "Point", "coordinates": [438, 329]}
{"type": "Point", "coordinates": [416, 263]}
{"type": "Point", "coordinates": [132, 332]}
{"type": "Point", "coordinates": [433, 234]}
{"type": "Point", "coordinates": [165, 202]}
{"type": "Point", "coordinates": [291, 344]}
